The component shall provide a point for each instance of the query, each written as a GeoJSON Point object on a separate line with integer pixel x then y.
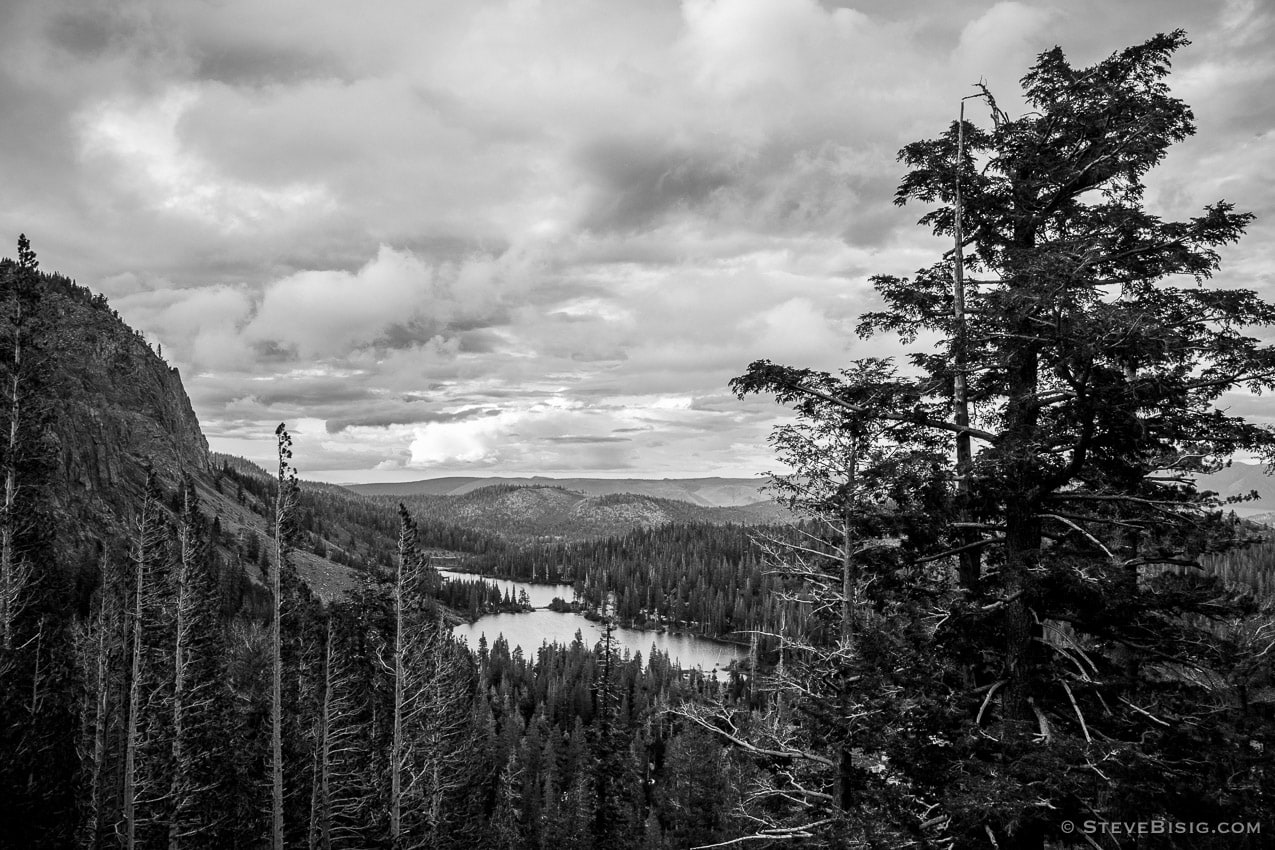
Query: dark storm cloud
{"type": "Point", "coordinates": [576, 218]}
{"type": "Point", "coordinates": [84, 34]}
{"type": "Point", "coordinates": [638, 181]}
{"type": "Point", "coordinates": [260, 65]}
{"type": "Point", "coordinates": [314, 393]}
{"type": "Point", "coordinates": [269, 351]}
{"type": "Point", "coordinates": [480, 342]}
{"type": "Point", "coordinates": [581, 440]}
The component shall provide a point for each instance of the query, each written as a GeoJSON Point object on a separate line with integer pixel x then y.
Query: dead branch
{"type": "Point", "coordinates": [1083, 727]}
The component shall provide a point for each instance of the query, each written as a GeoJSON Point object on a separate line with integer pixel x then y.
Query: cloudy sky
{"type": "Point", "coordinates": [535, 237]}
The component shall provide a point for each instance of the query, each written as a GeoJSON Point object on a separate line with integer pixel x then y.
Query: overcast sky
{"type": "Point", "coordinates": [536, 237]}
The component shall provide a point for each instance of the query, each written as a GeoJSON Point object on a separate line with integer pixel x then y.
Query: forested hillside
{"type": "Point", "coordinates": [171, 678]}
{"type": "Point", "coordinates": [521, 513]}
{"type": "Point", "coordinates": [705, 492]}
{"type": "Point", "coordinates": [1005, 609]}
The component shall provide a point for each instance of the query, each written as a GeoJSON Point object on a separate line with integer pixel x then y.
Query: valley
{"type": "Point", "coordinates": [1010, 581]}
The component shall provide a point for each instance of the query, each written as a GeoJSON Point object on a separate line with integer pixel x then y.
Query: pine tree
{"type": "Point", "coordinates": [616, 823]}
{"type": "Point", "coordinates": [695, 794]}
{"type": "Point", "coordinates": [199, 705]}
{"type": "Point", "coordinates": [21, 400]}
{"type": "Point", "coordinates": [39, 694]}
{"type": "Point", "coordinates": [431, 707]}
{"type": "Point", "coordinates": [144, 812]}
{"type": "Point", "coordinates": [1058, 660]}
{"type": "Point", "coordinates": [102, 644]}
{"type": "Point", "coordinates": [506, 832]}
{"type": "Point", "coordinates": [341, 796]}
{"type": "Point", "coordinates": [285, 507]}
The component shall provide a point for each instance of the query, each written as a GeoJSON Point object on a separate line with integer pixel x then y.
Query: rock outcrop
{"type": "Point", "coordinates": [117, 410]}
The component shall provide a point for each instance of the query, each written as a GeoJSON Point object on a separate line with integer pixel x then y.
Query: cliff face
{"type": "Point", "coordinates": [118, 408]}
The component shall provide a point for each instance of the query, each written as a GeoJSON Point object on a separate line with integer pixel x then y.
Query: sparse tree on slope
{"type": "Point", "coordinates": [199, 691]}
{"type": "Point", "coordinates": [39, 696]}
{"type": "Point", "coordinates": [285, 507]}
{"type": "Point", "coordinates": [20, 298]}
{"type": "Point", "coordinates": [431, 709]}
{"type": "Point", "coordinates": [146, 783]}
{"type": "Point", "coordinates": [852, 632]}
{"type": "Point", "coordinates": [101, 651]}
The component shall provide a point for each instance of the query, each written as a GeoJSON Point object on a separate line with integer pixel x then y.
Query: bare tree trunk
{"type": "Point", "coordinates": [849, 602]}
{"type": "Point", "coordinates": [849, 577]}
{"type": "Point", "coordinates": [179, 676]}
{"type": "Point", "coordinates": [106, 614]}
{"type": "Point", "coordinates": [1133, 540]}
{"type": "Point", "coordinates": [282, 507]}
{"type": "Point", "coordinates": [321, 792]}
{"type": "Point", "coordinates": [970, 560]}
{"type": "Point", "coordinates": [396, 753]}
{"type": "Point", "coordinates": [11, 580]}
{"type": "Point", "coordinates": [187, 544]}
{"type": "Point", "coordinates": [141, 557]}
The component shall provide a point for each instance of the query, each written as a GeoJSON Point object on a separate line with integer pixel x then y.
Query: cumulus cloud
{"type": "Point", "coordinates": [531, 237]}
{"type": "Point", "coordinates": [1000, 43]}
{"type": "Point", "coordinates": [151, 162]}
{"type": "Point", "coordinates": [326, 313]}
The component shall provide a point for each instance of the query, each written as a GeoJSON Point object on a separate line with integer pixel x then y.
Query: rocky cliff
{"type": "Point", "coordinates": [117, 410]}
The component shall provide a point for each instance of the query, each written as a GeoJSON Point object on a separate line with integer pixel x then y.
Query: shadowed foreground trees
{"type": "Point", "coordinates": [38, 688]}
{"type": "Point", "coordinates": [964, 656]}
{"type": "Point", "coordinates": [1073, 669]}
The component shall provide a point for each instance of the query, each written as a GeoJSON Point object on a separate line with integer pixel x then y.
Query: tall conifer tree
{"type": "Point", "coordinates": [284, 509]}
{"type": "Point", "coordinates": [1070, 678]}
{"type": "Point", "coordinates": [199, 704]}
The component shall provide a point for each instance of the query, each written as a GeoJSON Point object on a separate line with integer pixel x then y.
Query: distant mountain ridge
{"type": "Point", "coordinates": [1240, 479]}
{"type": "Point", "coordinates": [521, 512]}
{"type": "Point", "coordinates": [705, 492]}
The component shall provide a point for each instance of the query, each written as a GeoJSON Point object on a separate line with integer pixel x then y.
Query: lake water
{"type": "Point", "coordinates": [531, 629]}
{"type": "Point", "coordinates": [540, 594]}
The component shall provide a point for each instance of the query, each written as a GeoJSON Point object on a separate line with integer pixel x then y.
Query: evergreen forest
{"type": "Point", "coordinates": [1002, 610]}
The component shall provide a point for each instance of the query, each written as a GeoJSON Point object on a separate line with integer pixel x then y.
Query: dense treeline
{"type": "Point", "coordinates": [474, 597]}
{"type": "Point", "coordinates": [708, 579]}
{"type": "Point", "coordinates": [973, 649]}
{"type": "Point", "coordinates": [38, 595]}
{"type": "Point", "coordinates": [529, 513]}
{"type": "Point", "coordinates": [337, 524]}
{"type": "Point", "coordinates": [579, 751]}
{"type": "Point", "coordinates": [390, 734]}
{"type": "Point", "coordinates": [175, 701]}
{"type": "Point", "coordinates": [722, 580]}
{"type": "Point", "coordinates": [1251, 567]}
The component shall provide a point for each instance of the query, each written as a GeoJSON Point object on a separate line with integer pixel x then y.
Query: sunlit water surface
{"type": "Point", "coordinates": [530, 630]}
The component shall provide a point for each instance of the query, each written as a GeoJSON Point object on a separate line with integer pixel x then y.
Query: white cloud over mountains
{"type": "Point", "coordinates": [527, 236]}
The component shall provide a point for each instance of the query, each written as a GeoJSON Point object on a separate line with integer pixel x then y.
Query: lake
{"type": "Point", "coordinates": [540, 594]}
{"type": "Point", "coordinates": [531, 629]}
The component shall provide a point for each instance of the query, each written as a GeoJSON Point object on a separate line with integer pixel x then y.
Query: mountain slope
{"type": "Point", "coordinates": [118, 413]}
{"type": "Point", "coordinates": [706, 492]}
{"type": "Point", "coordinates": [1240, 479]}
{"type": "Point", "coordinates": [118, 410]}
{"type": "Point", "coordinates": [537, 512]}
